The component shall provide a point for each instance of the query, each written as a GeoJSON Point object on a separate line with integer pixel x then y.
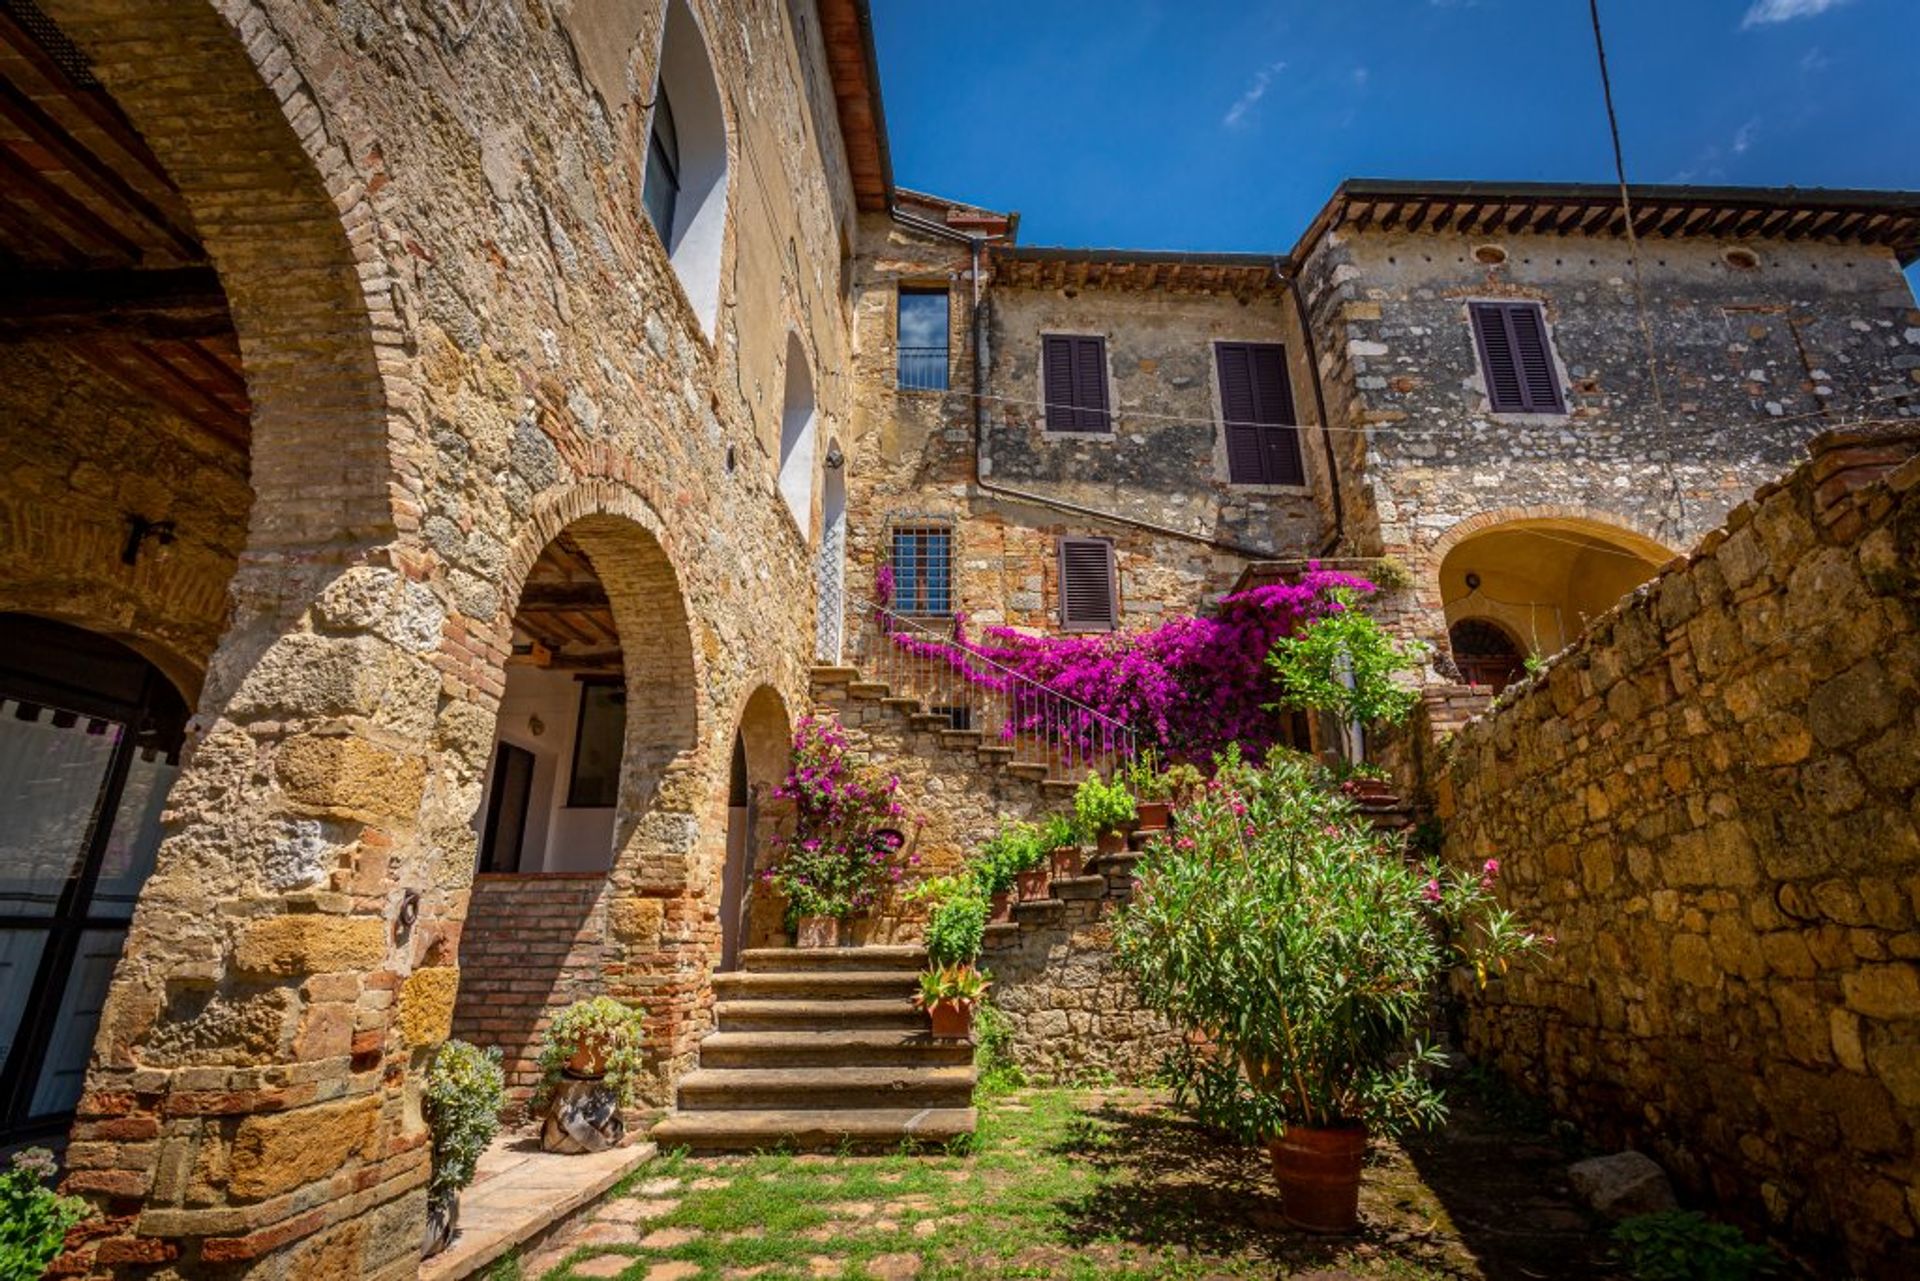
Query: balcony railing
{"type": "Point", "coordinates": [923, 368]}
{"type": "Point", "coordinates": [1040, 725]}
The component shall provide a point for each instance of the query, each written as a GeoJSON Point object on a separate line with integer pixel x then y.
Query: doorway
{"type": "Point", "coordinates": [90, 738]}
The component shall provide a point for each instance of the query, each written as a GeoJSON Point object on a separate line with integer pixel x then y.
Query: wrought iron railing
{"type": "Point", "coordinates": [1039, 725]}
{"type": "Point", "coordinates": [923, 368]}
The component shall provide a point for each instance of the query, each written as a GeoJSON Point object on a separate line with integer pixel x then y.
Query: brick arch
{"type": "Point", "coordinates": [217, 94]}
{"type": "Point", "coordinates": [1572, 517]}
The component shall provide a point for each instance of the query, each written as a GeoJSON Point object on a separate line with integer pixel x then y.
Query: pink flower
{"type": "Point", "coordinates": [1432, 892]}
{"type": "Point", "coordinates": [1491, 868]}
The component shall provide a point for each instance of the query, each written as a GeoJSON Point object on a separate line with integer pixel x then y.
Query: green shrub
{"type": "Point", "coordinates": [1100, 806]}
{"type": "Point", "coordinates": [615, 1025]}
{"type": "Point", "coordinates": [1685, 1245]}
{"type": "Point", "coordinates": [465, 1093]}
{"type": "Point", "coordinates": [1014, 849]}
{"type": "Point", "coordinates": [995, 1071]}
{"type": "Point", "coordinates": [1060, 832]}
{"type": "Point", "coordinates": [1313, 665]}
{"type": "Point", "coordinates": [957, 920]}
{"type": "Point", "coordinates": [33, 1217]}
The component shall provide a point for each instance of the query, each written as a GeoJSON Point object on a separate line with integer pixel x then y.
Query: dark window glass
{"type": "Point", "coordinates": [923, 339]}
{"type": "Point", "coordinates": [662, 190]}
{"type": "Point", "coordinates": [1075, 383]}
{"type": "Point", "coordinates": [923, 569]}
{"type": "Point", "coordinates": [596, 748]}
{"type": "Point", "coordinates": [1087, 601]}
{"type": "Point", "coordinates": [1514, 356]}
{"type": "Point", "coordinates": [1256, 407]}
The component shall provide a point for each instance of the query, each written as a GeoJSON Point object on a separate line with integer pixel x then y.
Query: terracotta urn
{"type": "Point", "coordinates": [951, 1019]}
{"type": "Point", "coordinates": [1064, 862]}
{"type": "Point", "coordinates": [1035, 884]}
{"type": "Point", "coordinates": [1318, 1170]}
{"type": "Point", "coordinates": [1154, 815]}
{"type": "Point", "coordinates": [1000, 908]}
{"type": "Point", "coordinates": [1112, 842]}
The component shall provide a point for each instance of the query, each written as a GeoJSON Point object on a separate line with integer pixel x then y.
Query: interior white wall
{"type": "Point", "coordinates": [559, 838]}
{"type": "Point", "coordinates": [700, 214]}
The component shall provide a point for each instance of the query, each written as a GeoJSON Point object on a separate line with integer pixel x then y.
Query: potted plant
{"type": "Point", "coordinates": [591, 1064]}
{"type": "Point", "coordinates": [846, 849]}
{"type": "Point", "coordinates": [1282, 932]}
{"type": "Point", "coordinates": [1370, 785]}
{"type": "Point", "coordinates": [1060, 838]}
{"type": "Point", "coordinates": [948, 994]}
{"type": "Point", "coordinates": [1105, 810]}
{"type": "Point", "coordinates": [465, 1093]}
{"type": "Point", "coordinates": [1008, 860]}
{"type": "Point", "coordinates": [957, 921]}
{"type": "Point", "coordinates": [33, 1217]}
{"type": "Point", "coordinates": [1153, 790]}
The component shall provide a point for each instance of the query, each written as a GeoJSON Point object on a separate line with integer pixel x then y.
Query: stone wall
{"type": "Point", "coordinates": [1713, 800]}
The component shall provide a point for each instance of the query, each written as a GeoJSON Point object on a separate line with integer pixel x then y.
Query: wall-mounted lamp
{"type": "Point", "coordinates": [139, 530]}
{"type": "Point", "coordinates": [1473, 581]}
{"type": "Point", "coordinates": [835, 459]}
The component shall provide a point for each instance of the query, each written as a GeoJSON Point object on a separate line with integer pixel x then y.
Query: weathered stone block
{"type": "Point", "coordinates": [310, 944]}
{"type": "Point", "coordinates": [350, 776]}
{"type": "Point", "coordinates": [277, 1152]}
{"type": "Point", "coordinates": [426, 1005]}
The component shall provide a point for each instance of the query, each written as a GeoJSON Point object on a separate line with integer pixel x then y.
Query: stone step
{"type": "Point", "coordinates": [869, 689]}
{"type": "Point", "coordinates": [897, 1013]}
{"type": "Point", "coordinates": [867, 1129]}
{"type": "Point", "coordinates": [998, 753]}
{"type": "Point", "coordinates": [1079, 887]}
{"type": "Point", "coordinates": [898, 1047]}
{"type": "Point", "coordinates": [932, 721]}
{"type": "Point", "coordinates": [906, 706]}
{"type": "Point", "coordinates": [1028, 769]}
{"type": "Point", "coordinates": [1059, 788]}
{"type": "Point", "coordinates": [960, 739]}
{"type": "Point", "coordinates": [827, 675]}
{"type": "Point", "coordinates": [820, 985]}
{"type": "Point", "coordinates": [793, 959]}
{"type": "Point", "coordinates": [817, 1088]}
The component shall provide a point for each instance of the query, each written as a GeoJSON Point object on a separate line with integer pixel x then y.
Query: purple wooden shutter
{"type": "Point", "coordinates": [1057, 384]}
{"type": "Point", "coordinates": [1279, 438]}
{"type": "Point", "coordinates": [1090, 384]}
{"type": "Point", "coordinates": [1246, 465]}
{"type": "Point", "coordinates": [1086, 585]}
{"type": "Point", "coordinates": [1497, 360]}
{"type": "Point", "coordinates": [1538, 386]}
{"type": "Point", "coordinates": [1513, 353]}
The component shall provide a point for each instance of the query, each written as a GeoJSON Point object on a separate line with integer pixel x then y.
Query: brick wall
{"type": "Point", "coordinates": [1713, 799]}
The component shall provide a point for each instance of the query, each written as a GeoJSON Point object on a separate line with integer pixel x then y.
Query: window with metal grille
{"type": "Point", "coordinates": [1516, 359]}
{"type": "Point", "coordinates": [1074, 375]}
{"type": "Point", "coordinates": [923, 338]}
{"type": "Point", "coordinates": [1256, 411]}
{"type": "Point", "coordinates": [923, 569]}
{"type": "Point", "coordinates": [1087, 598]}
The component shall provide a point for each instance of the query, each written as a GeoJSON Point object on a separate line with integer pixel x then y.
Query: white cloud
{"type": "Point", "coordinates": [1744, 135]}
{"type": "Point", "coordinates": [1255, 90]}
{"type": "Point", "coordinates": [1360, 77]}
{"type": "Point", "coordinates": [1766, 12]}
{"type": "Point", "coordinates": [1814, 61]}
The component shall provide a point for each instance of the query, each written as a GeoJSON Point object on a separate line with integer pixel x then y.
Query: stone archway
{"type": "Point", "coordinates": [759, 761]}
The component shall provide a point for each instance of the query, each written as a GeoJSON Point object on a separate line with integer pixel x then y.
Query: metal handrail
{"type": "Point", "coordinates": [1039, 723]}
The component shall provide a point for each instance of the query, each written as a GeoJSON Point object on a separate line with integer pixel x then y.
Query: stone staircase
{"type": "Point", "coordinates": [822, 1048]}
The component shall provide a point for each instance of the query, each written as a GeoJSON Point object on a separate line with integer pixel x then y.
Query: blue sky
{"type": "Point", "coordinates": [1208, 124]}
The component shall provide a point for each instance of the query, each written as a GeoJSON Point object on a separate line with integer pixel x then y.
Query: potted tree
{"type": "Point", "coordinates": [465, 1093]}
{"type": "Point", "coordinates": [846, 849]}
{"type": "Point", "coordinates": [591, 1063]}
{"type": "Point", "coordinates": [949, 994]}
{"type": "Point", "coordinates": [1343, 664]}
{"type": "Point", "coordinates": [1285, 934]}
{"type": "Point", "coordinates": [1060, 838]}
{"type": "Point", "coordinates": [1106, 810]}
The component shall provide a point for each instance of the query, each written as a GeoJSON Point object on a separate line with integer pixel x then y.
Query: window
{"type": "Point", "coordinates": [923, 339]}
{"type": "Point", "coordinates": [1086, 585]}
{"type": "Point", "coordinates": [1256, 410]}
{"type": "Point", "coordinates": [601, 734]}
{"type": "Point", "coordinates": [1075, 379]}
{"type": "Point", "coordinates": [796, 436]}
{"type": "Point", "coordinates": [662, 188]}
{"type": "Point", "coordinates": [923, 569]}
{"type": "Point", "coordinates": [1514, 356]}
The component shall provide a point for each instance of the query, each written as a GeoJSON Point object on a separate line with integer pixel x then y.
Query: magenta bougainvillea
{"type": "Point", "coordinates": [1187, 688]}
{"type": "Point", "coordinates": [846, 846]}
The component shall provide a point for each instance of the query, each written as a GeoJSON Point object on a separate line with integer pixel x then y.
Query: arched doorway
{"type": "Point", "coordinates": [759, 760]}
{"type": "Point", "coordinates": [1536, 583]}
{"type": "Point", "coordinates": [831, 559]}
{"type": "Point", "coordinates": [90, 739]}
{"type": "Point", "coordinates": [1485, 653]}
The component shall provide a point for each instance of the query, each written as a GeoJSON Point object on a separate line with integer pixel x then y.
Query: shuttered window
{"type": "Point", "coordinates": [1087, 601]}
{"type": "Point", "coordinates": [1512, 337]}
{"type": "Point", "coordinates": [1075, 379]}
{"type": "Point", "coordinates": [1256, 409]}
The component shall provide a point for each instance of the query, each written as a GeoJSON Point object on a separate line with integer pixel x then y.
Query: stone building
{"type": "Point", "coordinates": [440, 439]}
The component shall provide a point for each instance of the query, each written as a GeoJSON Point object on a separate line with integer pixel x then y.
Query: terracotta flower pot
{"type": "Point", "coordinates": [951, 1019]}
{"type": "Point", "coordinates": [1112, 842]}
{"type": "Point", "coordinates": [1000, 908]}
{"type": "Point", "coordinates": [1036, 884]}
{"type": "Point", "coordinates": [818, 931]}
{"type": "Point", "coordinates": [589, 1061]}
{"type": "Point", "coordinates": [1154, 815]}
{"type": "Point", "coordinates": [1065, 863]}
{"type": "Point", "coordinates": [1318, 1171]}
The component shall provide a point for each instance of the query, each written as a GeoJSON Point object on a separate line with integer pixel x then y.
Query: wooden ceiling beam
{"type": "Point", "coordinates": [175, 303]}
{"type": "Point", "coordinates": [64, 210]}
{"type": "Point", "coordinates": [542, 596]}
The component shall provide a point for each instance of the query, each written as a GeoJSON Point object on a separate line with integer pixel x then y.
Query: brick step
{"type": "Point", "coordinates": [867, 1129]}
{"type": "Point", "coordinates": [818, 1088]}
{"type": "Point", "coordinates": [778, 1015]}
{"type": "Point", "coordinates": [814, 985]}
{"type": "Point", "coordinates": [793, 959]}
{"type": "Point", "coordinates": [843, 1047]}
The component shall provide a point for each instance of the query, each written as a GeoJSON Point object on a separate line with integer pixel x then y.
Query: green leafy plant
{"type": "Point", "coordinates": [1060, 832]}
{"type": "Point", "coordinates": [465, 1093]}
{"type": "Point", "coordinates": [1390, 574]}
{"type": "Point", "coordinates": [1316, 663]}
{"type": "Point", "coordinates": [1285, 934]}
{"type": "Point", "coordinates": [996, 1070]}
{"type": "Point", "coordinates": [614, 1028]}
{"type": "Point", "coordinates": [846, 849]}
{"type": "Point", "coordinates": [1100, 806]}
{"type": "Point", "coordinates": [961, 984]}
{"type": "Point", "coordinates": [1535, 663]}
{"type": "Point", "coordinates": [33, 1217]}
{"type": "Point", "coordinates": [1150, 780]}
{"type": "Point", "coordinates": [1685, 1245]}
{"type": "Point", "coordinates": [1014, 849]}
{"type": "Point", "coordinates": [957, 919]}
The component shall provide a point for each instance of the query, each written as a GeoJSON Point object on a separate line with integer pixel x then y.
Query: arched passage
{"type": "Point", "coordinates": [597, 710]}
{"type": "Point", "coordinates": [759, 760]}
{"type": "Point", "coordinates": [1538, 581]}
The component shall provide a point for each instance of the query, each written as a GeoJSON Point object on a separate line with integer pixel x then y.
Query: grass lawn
{"type": "Point", "coordinates": [1084, 1183]}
